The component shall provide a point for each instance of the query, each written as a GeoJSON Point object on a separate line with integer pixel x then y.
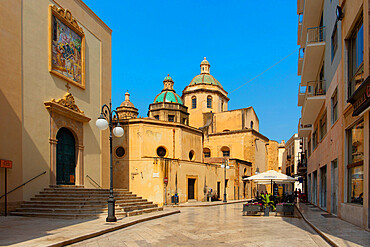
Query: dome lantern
{"type": "Point", "coordinates": [127, 110]}
{"type": "Point", "coordinates": [205, 66]}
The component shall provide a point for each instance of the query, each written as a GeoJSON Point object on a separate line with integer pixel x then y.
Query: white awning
{"type": "Point", "coordinates": [270, 176]}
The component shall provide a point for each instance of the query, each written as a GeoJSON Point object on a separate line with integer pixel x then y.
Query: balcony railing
{"type": "Point", "coordinates": [301, 89]}
{"type": "Point", "coordinates": [316, 88]}
{"type": "Point", "coordinates": [302, 126]}
{"type": "Point", "coordinates": [315, 35]}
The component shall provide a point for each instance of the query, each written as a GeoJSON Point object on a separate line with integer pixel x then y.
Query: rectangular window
{"type": "Point", "coordinates": [171, 118]}
{"type": "Point", "coordinates": [207, 154]}
{"type": "Point", "coordinates": [355, 167]}
{"type": "Point", "coordinates": [309, 147]}
{"type": "Point", "coordinates": [334, 107]}
{"type": "Point", "coordinates": [314, 140]}
{"type": "Point", "coordinates": [209, 102]}
{"type": "Point", "coordinates": [356, 58]}
{"type": "Point", "coordinates": [323, 126]}
{"type": "Point", "coordinates": [226, 153]}
{"type": "Point", "coordinates": [156, 117]}
{"type": "Point", "coordinates": [194, 103]}
{"type": "Point", "coordinates": [334, 42]}
{"type": "Point", "coordinates": [323, 186]}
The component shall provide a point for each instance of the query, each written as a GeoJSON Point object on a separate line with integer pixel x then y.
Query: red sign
{"type": "Point", "coordinates": [6, 164]}
{"type": "Point", "coordinates": [165, 180]}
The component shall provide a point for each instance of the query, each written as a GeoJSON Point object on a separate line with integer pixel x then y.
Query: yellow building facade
{"type": "Point", "coordinates": [182, 144]}
{"type": "Point", "coordinates": [55, 75]}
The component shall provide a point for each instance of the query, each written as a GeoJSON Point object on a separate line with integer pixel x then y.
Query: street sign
{"type": "Point", "coordinates": [6, 164]}
{"type": "Point", "coordinates": [165, 180]}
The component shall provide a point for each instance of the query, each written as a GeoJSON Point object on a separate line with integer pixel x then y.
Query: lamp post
{"type": "Point", "coordinates": [103, 122]}
{"type": "Point", "coordinates": [225, 165]}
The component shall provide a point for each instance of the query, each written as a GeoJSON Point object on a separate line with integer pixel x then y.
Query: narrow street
{"type": "Point", "coordinates": [213, 226]}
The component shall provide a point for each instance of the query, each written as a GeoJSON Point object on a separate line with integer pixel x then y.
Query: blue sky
{"type": "Point", "coordinates": [240, 39]}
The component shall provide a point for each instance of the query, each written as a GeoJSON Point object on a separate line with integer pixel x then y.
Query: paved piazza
{"type": "Point", "coordinates": [213, 226]}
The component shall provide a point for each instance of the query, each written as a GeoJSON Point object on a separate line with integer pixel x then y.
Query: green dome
{"type": "Point", "coordinates": [205, 79]}
{"type": "Point", "coordinates": [168, 97]}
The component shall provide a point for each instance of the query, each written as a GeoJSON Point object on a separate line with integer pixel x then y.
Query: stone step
{"type": "Point", "coordinates": [82, 202]}
{"type": "Point", "coordinates": [63, 216]}
{"type": "Point", "coordinates": [148, 210]}
{"type": "Point", "coordinates": [138, 207]}
{"type": "Point", "coordinates": [58, 198]}
{"type": "Point", "coordinates": [76, 206]}
{"type": "Point", "coordinates": [86, 190]}
{"type": "Point", "coordinates": [84, 195]}
{"type": "Point", "coordinates": [78, 202]}
{"type": "Point", "coordinates": [83, 210]}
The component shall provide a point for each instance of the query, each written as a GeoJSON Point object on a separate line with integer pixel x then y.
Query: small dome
{"type": "Point", "coordinates": [168, 94]}
{"type": "Point", "coordinates": [205, 79]}
{"type": "Point", "coordinates": [127, 102]}
{"type": "Point", "coordinates": [204, 61]}
{"type": "Point", "coordinates": [168, 97]}
{"type": "Point", "coordinates": [168, 78]}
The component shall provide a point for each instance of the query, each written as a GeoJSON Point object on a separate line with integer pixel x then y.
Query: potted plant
{"type": "Point", "coordinates": [267, 203]}
{"type": "Point", "coordinates": [251, 208]}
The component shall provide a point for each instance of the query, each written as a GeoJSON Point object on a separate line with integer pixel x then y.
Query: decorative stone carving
{"type": "Point", "coordinates": [67, 15]}
{"type": "Point", "coordinates": [67, 107]}
{"type": "Point", "coordinates": [68, 101]}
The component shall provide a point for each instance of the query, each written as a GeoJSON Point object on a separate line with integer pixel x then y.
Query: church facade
{"type": "Point", "coordinates": [55, 75]}
{"type": "Point", "coordinates": [191, 146]}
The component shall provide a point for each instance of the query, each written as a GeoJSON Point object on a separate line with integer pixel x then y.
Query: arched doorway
{"type": "Point", "coordinates": [66, 157]}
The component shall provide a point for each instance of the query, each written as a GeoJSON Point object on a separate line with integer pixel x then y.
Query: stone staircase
{"type": "Point", "coordinates": [78, 202]}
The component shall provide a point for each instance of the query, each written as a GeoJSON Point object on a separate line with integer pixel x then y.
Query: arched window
{"type": "Point", "coordinates": [207, 152]}
{"type": "Point", "coordinates": [225, 151]}
{"type": "Point", "coordinates": [193, 102]}
{"type": "Point", "coordinates": [209, 102]}
{"type": "Point", "coordinates": [222, 106]}
{"type": "Point", "coordinates": [251, 124]}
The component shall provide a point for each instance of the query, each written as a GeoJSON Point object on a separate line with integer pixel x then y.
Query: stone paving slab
{"type": "Point", "coordinates": [34, 231]}
{"type": "Point", "coordinates": [338, 232]}
{"type": "Point", "coordinates": [222, 225]}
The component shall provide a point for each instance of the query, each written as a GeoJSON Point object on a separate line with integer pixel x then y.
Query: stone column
{"type": "Point", "coordinates": [53, 160]}
{"type": "Point", "coordinates": [80, 165]}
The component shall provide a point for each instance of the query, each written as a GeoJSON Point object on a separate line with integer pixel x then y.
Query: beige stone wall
{"type": "Point", "coordinates": [273, 156]}
{"type": "Point", "coordinates": [201, 92]}
{"type": "Point", "coordinates": [11, 96]}
{"type": "Point", "coordinates": [245, 145]}
{"type": "Point", "coordinates": [281, 156]}
{"type": "Point", "coordinates": [33, 84]}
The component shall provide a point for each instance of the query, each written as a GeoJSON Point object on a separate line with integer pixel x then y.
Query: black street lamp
{"type": "Point", "coordinates": [225, 165]}
{"type": "Point", "coordinates": [104, 121]}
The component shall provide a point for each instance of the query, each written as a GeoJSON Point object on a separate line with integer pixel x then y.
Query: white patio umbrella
{"type": "Point", "coordinates": [269, 177]}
